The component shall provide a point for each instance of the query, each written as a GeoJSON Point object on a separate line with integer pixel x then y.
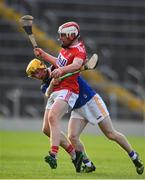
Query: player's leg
{"type": "Point", "coordinates": [107, 128]}
{"type": "Point", "coordinates": [64, 142]}
{"type": "Point", "coordinates": [58, 109]}
{"type": "Point", "coordinates": [63, 100]}
{"type": "Point", "coordinates": [76, 144]}
{"type": "Point", "coordinates": [50, 159]}
{"type": "Point", "coordinates": [57, 105]}
{"type": "Point", "coordinates": [45, 125]}
{"type": "Point", "coordinates": [54, 115]}
{"type": "Point", "coordinates": [96, 112]}
{"type": "Point", "coordinates": [75, 128]}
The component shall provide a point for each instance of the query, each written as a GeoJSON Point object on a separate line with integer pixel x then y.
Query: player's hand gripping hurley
{"type": "Point", "coordinates": [89, 65]}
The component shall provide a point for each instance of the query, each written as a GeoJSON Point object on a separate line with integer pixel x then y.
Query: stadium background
{"type": "Point", "coordinates": [114, 29]}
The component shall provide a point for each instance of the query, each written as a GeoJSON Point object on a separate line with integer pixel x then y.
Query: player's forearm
{"type": "Point", "coordinates": [49, 58]}
{"type": "Point", "coordinates": [70, 68]}
{"type": "Point", "coordinates": [76, 65]}
{"type": "Point", "coordinates": [45, 56]}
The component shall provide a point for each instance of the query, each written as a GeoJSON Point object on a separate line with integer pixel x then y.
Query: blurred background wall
{"type": "Point", "coordinates": [115, 29]}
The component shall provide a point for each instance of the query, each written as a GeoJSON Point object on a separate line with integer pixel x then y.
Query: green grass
{"type": "Point", "coordinates": [22, 153]}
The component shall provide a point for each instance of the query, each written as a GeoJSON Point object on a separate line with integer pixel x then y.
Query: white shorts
{"type": "Point", "coordinates": [65, 95]}
{"type": "Point", "coordinates": [94, 111]}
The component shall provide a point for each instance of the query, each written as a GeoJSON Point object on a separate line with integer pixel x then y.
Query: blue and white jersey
{"type": "Point", "coordinates": [45, 85]}
{"type": "Point", "coordinates": [85, 94]}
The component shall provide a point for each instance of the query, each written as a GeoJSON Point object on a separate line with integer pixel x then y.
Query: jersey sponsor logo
{"type": "Point", "coordinates": [61, 61]}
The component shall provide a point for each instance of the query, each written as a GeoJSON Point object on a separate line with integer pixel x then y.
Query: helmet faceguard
{"type": "Point", "coordinates": [70, 29]}
{"type": "Point", "coordinates": [33, 66]}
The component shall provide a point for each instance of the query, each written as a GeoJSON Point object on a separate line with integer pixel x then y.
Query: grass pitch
{"type": "Point", "coordinates": [22, 157]}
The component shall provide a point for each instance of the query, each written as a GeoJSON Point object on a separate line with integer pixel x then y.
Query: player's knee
{"type": "Point", "coordinates": [111, 136]}
{"type": "Point", "coordinates": [52, 119]}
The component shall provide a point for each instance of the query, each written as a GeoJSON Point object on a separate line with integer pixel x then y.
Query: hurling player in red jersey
{"type": "Point", "coordinates": [71, 58]}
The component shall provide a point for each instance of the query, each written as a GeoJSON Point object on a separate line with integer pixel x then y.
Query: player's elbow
{"type": "Point", "coordinates": [78, 64]}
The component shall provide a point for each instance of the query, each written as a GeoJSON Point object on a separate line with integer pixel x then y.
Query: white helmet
{"type": "Point", "coordinates": [69, 28]}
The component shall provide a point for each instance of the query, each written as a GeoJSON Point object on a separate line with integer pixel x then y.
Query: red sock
{"type": "Point", "coordinates": [54, 149]}
{"type": "Point", "coordinates": [70, 149]}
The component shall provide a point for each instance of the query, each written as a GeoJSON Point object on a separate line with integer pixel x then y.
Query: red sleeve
{"type": "Point", "coordinates": [81, 55]}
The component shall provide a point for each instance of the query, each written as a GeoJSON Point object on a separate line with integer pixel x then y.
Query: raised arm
{"type": "Point", "coordinates": [45, 56]}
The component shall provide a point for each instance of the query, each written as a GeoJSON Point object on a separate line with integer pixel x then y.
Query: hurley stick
{"type": "Point", "coordinates": [27, 22]}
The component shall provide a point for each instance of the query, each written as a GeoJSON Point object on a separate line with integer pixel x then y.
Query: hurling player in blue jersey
{"type": "Point", "coordinates": [90, 108]}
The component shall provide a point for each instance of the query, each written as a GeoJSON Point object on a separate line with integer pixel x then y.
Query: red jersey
{"type": "Point", "coordinates": [66, 57]}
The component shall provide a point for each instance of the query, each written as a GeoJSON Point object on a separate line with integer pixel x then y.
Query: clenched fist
{"type": "Point", "coordinates": [39, 53]}
{"type": "Point", "coordinates": [56, 73]}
